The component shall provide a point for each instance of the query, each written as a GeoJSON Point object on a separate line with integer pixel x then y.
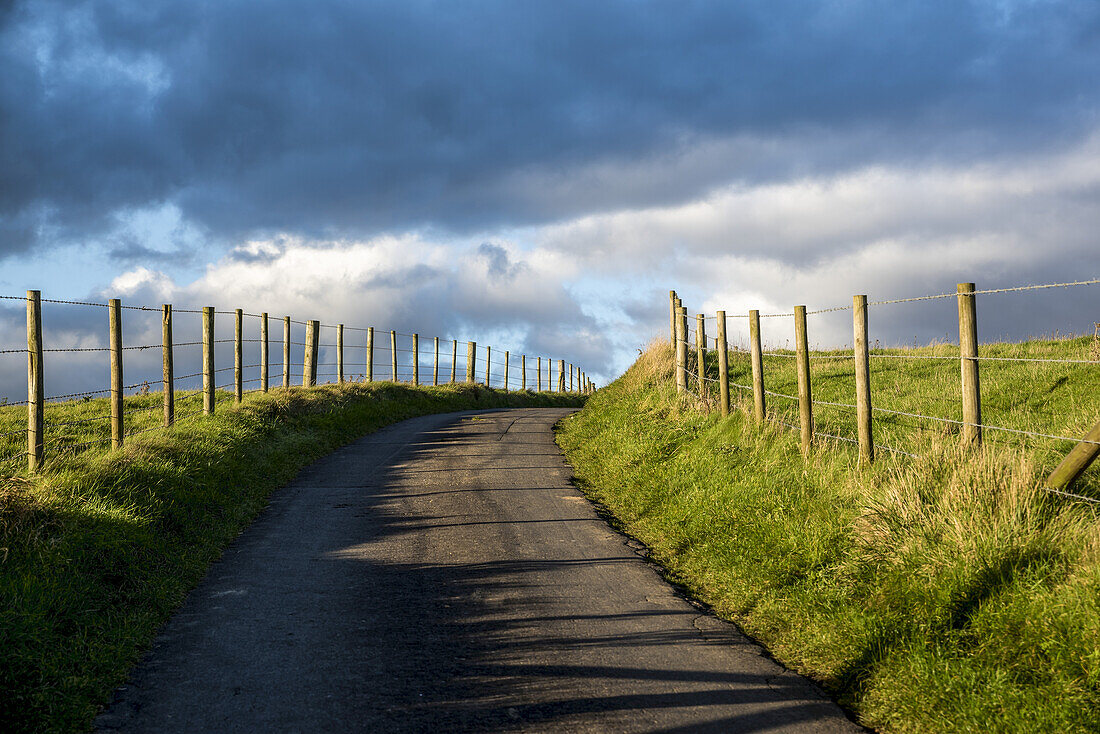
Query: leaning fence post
{"type": "Point", "coordinates": [416, 359]}
{"type": "Point", "coordinates": [340, 353]}
{"type": "Point", "coordinates": [1076, 461]}
{"type": "Point", "coordinates": [700, 351]}
{"type": "Point", "coordinates": [114, 314]}
{"type": "Point", "coordinates": [167, 365]}
{"type": "Point", "coordinates": [370, 354]}
{"type": "Point", "coordinates": [471, 360]}
{"type": "Point", "coordinates": [265, 354]}
{"type": "Point", "coordinates": [723, 364]}
{"type": "Point", "coordinates": [805, 393]}
{"type": "Point", "coordinates": [435, 365]}
{"type": "Point", "coordinates": [286, 351]}
{"type": "Point", "coordinates": [208, 360]}
{"type": "Point", "coordinates": [561, 375]}
{"type": "Point", "coordinates": [238, 354]}
{"type": "Point", "coordinates": [36, 389]}
{"type": "Point", "coordinates": [393, 355]}
{"type": "Point", "coordinates": [863, 380]}
{"type": "Point", "coordinates": [309, 360]}
{"type": "Point", "coordinates": [968, 358]}
{"type": "Point", "coordinates": [758, 404]}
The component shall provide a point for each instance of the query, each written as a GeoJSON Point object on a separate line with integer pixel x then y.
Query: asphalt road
{"type": "Point", "coordinates": [444, 575]}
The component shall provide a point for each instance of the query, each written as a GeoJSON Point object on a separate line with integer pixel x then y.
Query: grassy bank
{"type": "Point", "coordinates": [945, 593]}
{"type": "Point", "coordinates": [98, 549]}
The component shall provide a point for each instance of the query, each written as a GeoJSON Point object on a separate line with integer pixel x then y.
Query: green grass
{"type": "Point", "coordinates": [98, 549]}
{"type": "Point", "coordinates": [945, 593]}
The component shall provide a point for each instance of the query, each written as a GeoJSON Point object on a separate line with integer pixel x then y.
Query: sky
{"type": "Point", "coordinates": [538, 175]}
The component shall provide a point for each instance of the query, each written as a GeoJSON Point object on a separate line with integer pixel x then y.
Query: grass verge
{"type": "Point", "coordinates": [98, 549]}
{"type": "Point", "coordinates": [945, 593]}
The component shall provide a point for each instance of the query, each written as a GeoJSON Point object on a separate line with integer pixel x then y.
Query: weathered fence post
{"type": "Point", "coordinates": [208, 376]}
{"type": "Point", "coordinates": [968, 358]}
{"type": "Point", "coordinates": [340, 353]}
{"type": "Point", "coordinates": [722, 346]}
{"type": "Point", "coordinates": [454, 359]}
{"type": "Point", "coordinates": [286, 351]}
{"type": "Point", "coordinates": [672, 318]}
{"type": "Point", "coordinates": [238, 354]}
{"type": "Point", "coordinates": [393, 355]}
{"type": "Point", "coordinates": [700, 351]}
{"type": "Point", "coordinates": [538, 375]}
{"type": "Point", "coordinates": [523, 369]}
{"type": "Point", "coordinates": [805, 392]}
{"type": "Point", "coordinates": [309, 359]}
{"type": "Point", "coordinates": [1076, 461]}
{"type": "Point", "coordinates": [863, 380]}
{"type": "Point", "coordinates": [416, 359]}
{"type": "Point", "coordinates": [435, 365]}
{"type": "Point", "coordinates": [506, 355]}
{"type": "Point", "coordinates": [471, 360]}
{"type": "Point", "coordinates": [758, 405]}
{"type": "Point", "coordinates": [168, 369]}
{"type": "Point", "coordinates": [265, 353]}
{"type": "Point", "coordinates": [36, 389]}
{"type": "Point", "coordinates": [681, 349]}
{"type": "Point", "coordinates": [370, 354]}
{"type": "Point", "coordinates": [114, 314]}
{"type": "Point", "coordinates": [561, 375]}
{"type": "Point", "coordinates": [488, 364]}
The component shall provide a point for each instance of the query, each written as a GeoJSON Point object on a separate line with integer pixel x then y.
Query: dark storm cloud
{"type": "Point", "coordinates": [352, 117]}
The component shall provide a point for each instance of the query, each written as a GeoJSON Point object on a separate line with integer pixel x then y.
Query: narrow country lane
{"type": "Point", "coordinates": [444, 575]}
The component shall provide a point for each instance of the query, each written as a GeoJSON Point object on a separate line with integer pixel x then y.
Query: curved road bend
{"type": "Point", "coordinates": [444, 575]}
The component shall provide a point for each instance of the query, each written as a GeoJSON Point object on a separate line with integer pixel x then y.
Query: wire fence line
{"type": "Point", "coordinates": [695, 362]}
{"type": "Point", "coordinates": [55, 422]}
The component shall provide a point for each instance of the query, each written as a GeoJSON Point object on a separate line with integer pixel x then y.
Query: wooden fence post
{"type": "Point", "coordinates": [370, 354]}
{"type": "Point", "coordinates": [488, 364]}
{"type": "Point", "coordinates": [561, 375]}
{"type": "Point", "coordinates": [805, 392]}
{"type": "Point", "coordinates": [672, 318]}
{"type": "Point", "coordinates": [681, 350]}
{"type": "Point", "coordinates": [168, 369]}
{"type": "Point", "coordinates": [505, 370]}
{"type": "Point", "coordinates": [416, 359]}
{"type": "Point", "coordinates": [454, 359]}
{"type": "Point", "coordinates": [722, 346]}
{"type": "Point", "coordinates": [393, 355]}
{"type": "Point", "coordinates": [435, 365]}
{"type": "Point", "coordinates": [114, 314]}
{"type": "Point", "coordinates": [863, 380]}
{"type": "Point", "coordinates": [286, 351]}
{"type": "Point", "coordinates": [265, 353]}
{"type": "Point", "coordinates": [309, 360]}
{"type": "Point", "coordinates": [1076, 461]}
{"type": "Point", "coordinates": [968, 358]}
{"type": "Point", "coordinates": [471, 360]}
{"type": "Point", "coordinates": [208, 383]}
{"type": "Point", "coordinates": [36, 389]}
{"type": "Point", "coordinates": [538, 375]}
{"type": "Point", "coordinates": [238, 354]}
{"type": "Point", "coordinates": [523, 369]}
{"type": "Point", "coordinates": [700, 351]}
{"type": "Point", "coordinates": [759, 406]}
{"type": "Point", "coordinates": [340, 353]}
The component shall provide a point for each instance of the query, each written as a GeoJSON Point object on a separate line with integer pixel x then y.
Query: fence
{"type": "Point", "coordinates": [845, 377]}
{"type": "Point", "coordinates": [329, 353]}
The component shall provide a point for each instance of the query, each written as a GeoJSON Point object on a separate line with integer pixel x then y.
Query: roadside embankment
{"type": "Point", "coordinates": [942, 593]}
